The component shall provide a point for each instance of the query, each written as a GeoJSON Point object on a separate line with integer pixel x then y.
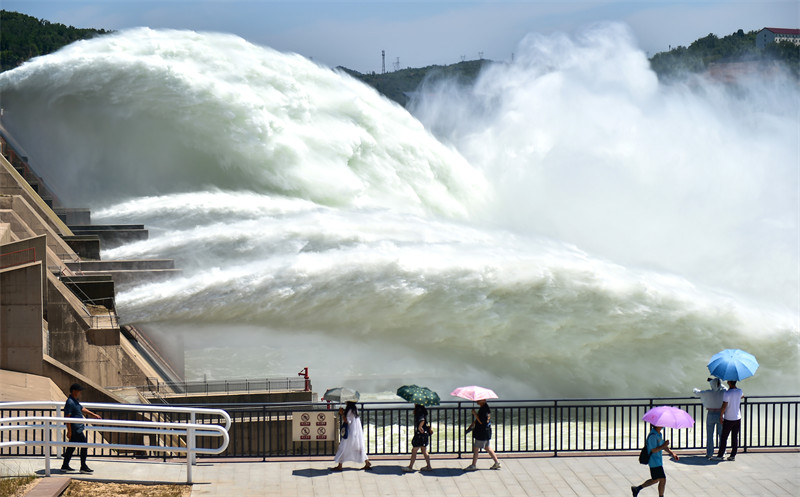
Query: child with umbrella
{"type": "Point", "coordinates": [659, 417]}
{"type": "Point", "coordinates": [422, 431]}
{"type": "Point", "coordinates": [481, 426]}
{"type": "Point", "coordinates": [421, 397]}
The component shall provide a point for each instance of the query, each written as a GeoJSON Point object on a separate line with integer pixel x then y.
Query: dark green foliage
{"type": "Point", "coordinates": [736, 47]}
{"type": "Point", "coordinates": [23, 37]}
{"type": "Point", "coordinates": [398, 85]}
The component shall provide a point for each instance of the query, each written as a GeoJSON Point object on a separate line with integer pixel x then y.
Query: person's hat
{"type": "Point", "coordinates": [75, 386]}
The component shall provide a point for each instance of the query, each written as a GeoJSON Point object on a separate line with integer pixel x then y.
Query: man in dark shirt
{"type": "Point", "coordinates": [482, 435]}
{"type": "Point", "coordinates": [74, 409]}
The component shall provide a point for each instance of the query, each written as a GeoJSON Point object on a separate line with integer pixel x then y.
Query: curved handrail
{"type": "Point", "coordinates": [57, 405]}
{"type": "Point", "coordinates": [46, 424]}
{"type": "Point", "coordinates": [117, 426]}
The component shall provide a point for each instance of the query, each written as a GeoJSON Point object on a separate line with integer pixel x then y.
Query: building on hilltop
{"type": "Point", "coordinates": [774, 35]}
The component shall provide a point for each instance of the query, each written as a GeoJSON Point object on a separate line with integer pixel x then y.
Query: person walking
{"type": "Point", "coordinates": [731, 418]}
{"type": "Point", "coordinates": [422, 432]}
{"type": "Point", "coordinates": [655, 444]}
{"type": "Point", "coordinates": [352, 447]}
{"type": "Point", "coordinates": [74, 409]}
{"type": "Point", "coordinates": [481, 435]}
{"type": "Point", "coordinates": [712, 402]}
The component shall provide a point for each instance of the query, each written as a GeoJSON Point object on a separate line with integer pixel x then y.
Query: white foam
{"type": "Point", "coordinates": [606, 237]}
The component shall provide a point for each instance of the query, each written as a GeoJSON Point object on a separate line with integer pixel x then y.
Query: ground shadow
{"type": "Point", "coordinates": [386, 470]}
{"type": "Point", "coordinates": [696, 461]}
{"type": "Point", "coordinates": [312, 472]}
{"type": "Point", "coordinates": [443, 472]}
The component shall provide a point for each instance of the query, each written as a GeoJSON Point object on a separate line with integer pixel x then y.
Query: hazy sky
{"type": "Point", "coordinates": [420, 33]}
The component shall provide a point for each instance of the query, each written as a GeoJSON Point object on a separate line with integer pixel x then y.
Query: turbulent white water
{"type": "Point", "coordinates": [577, 229]}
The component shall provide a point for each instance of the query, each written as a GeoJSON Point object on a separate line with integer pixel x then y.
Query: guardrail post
{"type": "Point", "coordinates": [556, 433]}
{"type": "Point", "coordinates": [458, 429]}
{"type": "Point", "coordinates": [47, 448]}
{"type": "Point", "coordinates": [192, 418]}
{"type": "Point", "coordinates": [59, 433]}
{"type": "Point", "coordinates": [189, 453]}
{"type": "Point", "coordinates": [744, 431]}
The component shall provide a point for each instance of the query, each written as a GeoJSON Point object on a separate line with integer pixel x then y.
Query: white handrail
{"type": "Point", "coordinates": [56, 405]}
{"type": "Point", "coordinates": [190, 430]}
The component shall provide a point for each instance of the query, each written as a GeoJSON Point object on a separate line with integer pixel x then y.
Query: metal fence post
{"type": "Point", "coordinates": [47, 449]}
{"type": "Point", "coordinates": [190, 444]}
{"type": "Point", "coordinates": [59, 433]}
{"type": "Point", "coordinates": [192, 420]}
{"type": "Point", "coordinates": [555, 433]}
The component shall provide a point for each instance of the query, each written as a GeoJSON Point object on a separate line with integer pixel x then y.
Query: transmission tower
{"type": "Point", "coordinates": [383, 61]}
{"type": "Point", "coordinates": [397, 64]}
{"type": "Point", "coordinates": [480, 55]}
{"type": "Point", "coordinates": [463, 58]}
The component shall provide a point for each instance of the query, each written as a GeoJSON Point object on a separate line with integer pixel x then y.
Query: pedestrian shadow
{"type": "Point", "coordinates": [695, 461]}
{"type": "Point", "coordinates": [311, 472]}
{"type": "Point", "coordinates": [443, 472]}
{"type": "Point", "coordinates": [386, 470]}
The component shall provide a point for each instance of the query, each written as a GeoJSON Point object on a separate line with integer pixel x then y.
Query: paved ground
{"type": "Point", "coordinates": [752, 475]}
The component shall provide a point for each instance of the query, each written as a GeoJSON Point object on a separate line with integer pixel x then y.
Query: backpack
{"type": "Point", "coordinates": [644, 455]}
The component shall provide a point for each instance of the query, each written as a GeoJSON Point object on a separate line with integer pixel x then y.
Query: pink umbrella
{"type": "Point", "coordinates": [473, 393]}
{"type": "Point", "coordinates": [668, 416]}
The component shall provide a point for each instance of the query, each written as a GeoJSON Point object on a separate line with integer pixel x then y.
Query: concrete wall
{"type": "Point", "coordinates": [18, 226]}
{"type": "Point", "coordinates": [24, 387]}
{"type": "Point", "coordinates": [240, 398]}
{"type": "Point", "coordinates": [21, 332]}
{"type": "Point", "coordinates": [5, 233]}
{"type": "Point", "coordinates": [39, 253]}
{"type": "Point", "coordinates": [64, 376]}
{"type": "Point", "coordinates": [31, 218]}
{"type": "Point", "coordinates": [12, 183]}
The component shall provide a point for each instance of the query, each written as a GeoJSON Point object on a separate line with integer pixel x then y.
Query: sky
{"type": "Point", "coordinates": [417, 32]}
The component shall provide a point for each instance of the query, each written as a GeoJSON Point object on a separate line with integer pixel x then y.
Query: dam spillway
{"type": "Point", "coordinates": [553, 251]}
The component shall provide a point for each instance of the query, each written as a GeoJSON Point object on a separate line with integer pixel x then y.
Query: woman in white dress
{"type": "Point", "coordinates": [352, 448]}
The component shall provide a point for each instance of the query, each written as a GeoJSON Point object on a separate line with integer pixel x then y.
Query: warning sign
{"type": "Point", "coordinates": [318, 426]}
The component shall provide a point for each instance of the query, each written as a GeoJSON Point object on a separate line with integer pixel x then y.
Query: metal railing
{"type": "Point", "coordinates": [529, 426]}
{"type": "Point", "coordinates": [34, 432]}
{"type": "Point", "coordinates": [245, 385]}
{"type": "Point", "coordinates": [532, 426]}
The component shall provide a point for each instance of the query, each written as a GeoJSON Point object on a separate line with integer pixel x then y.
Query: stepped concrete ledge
{"type": "Point", "coordinates": [49, 487]}
{"type": "Point", "coordinates": [125, 273]}
{"type": "Point", "coordinates": [126, 279]}
{"type": "Point", "coordinates": [122, 265]}
{"type": "Point", "coordinates": [762, 474]}
{"type": "Point", "coordinates": [113, 235]}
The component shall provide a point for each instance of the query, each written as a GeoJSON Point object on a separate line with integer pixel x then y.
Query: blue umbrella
{"type": "Point", "coordinates": [733, 364]}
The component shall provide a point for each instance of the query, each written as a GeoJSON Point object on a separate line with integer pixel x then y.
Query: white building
{"type": "Point", "coordinates": [770, 35]}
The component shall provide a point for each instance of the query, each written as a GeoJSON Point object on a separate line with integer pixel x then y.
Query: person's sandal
{"type": "Point", "coordinates": [336, 468]}
{"type": "Point", "coordinates": [406, 469]}
{"type": "Point", "coordinates": [367, 466]}
{"type": "Point", "coordinates": [426, 468]}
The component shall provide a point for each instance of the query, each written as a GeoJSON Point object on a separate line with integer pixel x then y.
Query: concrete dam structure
{"type": "Point", "coordinates": [57, 314]}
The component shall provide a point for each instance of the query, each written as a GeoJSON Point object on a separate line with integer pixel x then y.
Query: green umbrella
{"type": "Point", "coordinates": [418, 395]}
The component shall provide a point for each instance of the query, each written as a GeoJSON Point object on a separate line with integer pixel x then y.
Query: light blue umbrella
{"type": "Point", "coordinates": [733, 365]}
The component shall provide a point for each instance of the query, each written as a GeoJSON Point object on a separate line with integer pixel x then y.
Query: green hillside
{"type": "Point", "coordinates": [738, 46]}
{"type": "Point", "coordinates": [23, 37]}
{"type": "Point", "coordinates": [398, 85]}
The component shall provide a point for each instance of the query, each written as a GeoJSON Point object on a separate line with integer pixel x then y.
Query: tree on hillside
{"type": "Point", "coordinates": [23, 37]}
{"type": "Point", "coordinates": [738, 46]}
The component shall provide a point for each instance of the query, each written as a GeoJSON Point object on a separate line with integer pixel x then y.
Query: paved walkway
{"type": "Point", "coordinates": [752, 475]}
